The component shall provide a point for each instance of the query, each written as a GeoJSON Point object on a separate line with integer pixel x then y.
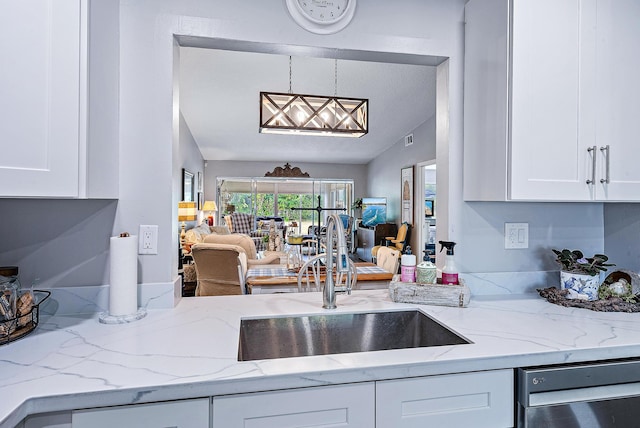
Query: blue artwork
{"type": "Point", "coordinates": [374, 211]}
{"type": "Point", "coordinates": [374, 214]}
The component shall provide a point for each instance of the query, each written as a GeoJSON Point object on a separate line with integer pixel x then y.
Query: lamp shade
{"type": "Point", "coordinates": [209, 206]}
{"type": "Point", "coordinates": [187, 211]}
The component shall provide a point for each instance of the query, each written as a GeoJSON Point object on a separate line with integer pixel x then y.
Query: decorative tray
{"type": "Point", "coordinates": [18, 327]}
{"type": "Point", "coordinates": [611, 304]}
{"type": "Point", "coordinates": [429, 294]}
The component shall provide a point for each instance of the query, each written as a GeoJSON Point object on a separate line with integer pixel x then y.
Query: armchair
{"type": "Point", "coordinates": [398, 243]}
{"type": "Point", "coordinates": [220, 269]}
{"type": "Point", "coordinates": [247, 243]}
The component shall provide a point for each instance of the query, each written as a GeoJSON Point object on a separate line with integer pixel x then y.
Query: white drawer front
{"type": "Point", "coordinates": [335, 406]}
{"type": "Point", "coordinates": [481, 399]}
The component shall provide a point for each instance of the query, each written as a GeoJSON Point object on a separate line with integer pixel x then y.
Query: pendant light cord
{"type": "Point", "coordinates": [335, 92]}
{"type": "Point", "coordinates": [290, 91]}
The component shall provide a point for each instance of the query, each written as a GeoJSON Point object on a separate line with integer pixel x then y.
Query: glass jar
{"type": "Point", "coordinates": [9, 288]}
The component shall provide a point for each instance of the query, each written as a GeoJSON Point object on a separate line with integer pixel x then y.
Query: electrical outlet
{"type": "Point", "coordinates": [148, 239]}
{"type": "Point", "coordinates": [516, 235]}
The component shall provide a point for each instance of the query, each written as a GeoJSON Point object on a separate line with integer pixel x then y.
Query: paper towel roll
{"type": "Point", "coordinates": [123, 290]}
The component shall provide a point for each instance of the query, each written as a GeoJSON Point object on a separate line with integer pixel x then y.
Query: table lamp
{"type": "Point", "coordinates": [210, 206]}
{"type": "Point", "coordinates": [186, 212]}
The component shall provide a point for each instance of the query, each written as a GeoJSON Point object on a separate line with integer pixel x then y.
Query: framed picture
{"type": "Point", "coordinates": [200, 200]}
{"type": "Point", "coordinates": [188, 194]}
{"type": "Point", "coordinates": [406, 200]}
{"type": "Point", "coordinates": [428, 208]}
{"type": "Point", "coordinates": [199, 181]}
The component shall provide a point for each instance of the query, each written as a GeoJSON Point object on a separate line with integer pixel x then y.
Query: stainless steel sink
{"type": "Point", "coordinates": [299, 336]}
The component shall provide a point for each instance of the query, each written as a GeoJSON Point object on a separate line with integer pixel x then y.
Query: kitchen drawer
{"type": "Point", "coordinates": [479, 399]}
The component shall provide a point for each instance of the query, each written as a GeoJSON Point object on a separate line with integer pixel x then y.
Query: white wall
{"type": "Point", "coordinates": [551, 225]}
{"type": "Point", "coordinates": [622, 235]}
{"type": "Point", "coordinates": [191, 160]}
{"type": "Point", "coordinates": [147, 91]}
{"type": "Point", "coordinates": [150, 158]}
{"type": "Point", "coordinates": [383, 173]}
{"type": "Point", "coordinates": [57, 243]}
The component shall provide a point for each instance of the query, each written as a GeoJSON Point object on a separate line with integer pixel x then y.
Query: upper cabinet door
{"type": "Point", "coordinates": [618, 103]}
{"type": "Point", "coordinates": [548, 147]}
{"type": "Point", "coordinates": [39, 98]}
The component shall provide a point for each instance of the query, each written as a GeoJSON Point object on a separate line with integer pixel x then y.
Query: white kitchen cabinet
{"type": "Point", "coordinates": [179, 414]}
{"type": "Point", "coordinates": [480, 399]}
{"type": "Point", "coordinates": [47, 146]}
{"type": "Point", "coordinates": [618, 106]}
{"type": "Point", "coordinates": [540, 102]}
{"type": "Point", "coordinates": [350, 405]}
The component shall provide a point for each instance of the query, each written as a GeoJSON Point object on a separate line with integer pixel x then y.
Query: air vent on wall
{"type": "Point", "coordinates": [408, 140]}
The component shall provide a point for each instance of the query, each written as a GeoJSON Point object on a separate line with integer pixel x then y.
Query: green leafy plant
{"type": "Point", "coordinates": [575, 262]}
{"type": "Point", "coordinates": [357, 204]}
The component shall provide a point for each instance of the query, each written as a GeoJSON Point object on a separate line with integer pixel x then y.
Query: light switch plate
{"type": "Point", "coordinates": [516, 235]}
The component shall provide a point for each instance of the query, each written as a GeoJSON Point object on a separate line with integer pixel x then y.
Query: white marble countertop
{"type": "Point", "coordinates": [191, 351]}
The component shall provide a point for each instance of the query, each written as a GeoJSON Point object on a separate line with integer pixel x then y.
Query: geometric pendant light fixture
{"type": "Point", "coordinates": [288, 113]}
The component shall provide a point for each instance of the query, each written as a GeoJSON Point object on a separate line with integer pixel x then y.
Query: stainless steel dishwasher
{"type": "Point", "coordinates": [593, 395]}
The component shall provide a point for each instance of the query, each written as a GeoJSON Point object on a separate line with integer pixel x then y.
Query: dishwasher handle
{"type": "Point", "coordinates": [595, 393]}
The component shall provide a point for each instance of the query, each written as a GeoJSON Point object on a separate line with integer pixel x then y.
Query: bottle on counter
{"type": "Point", "coordinates": [426, 272]}
{"type": "Point", "coordinates": [408, 266]}
{"type": "Point", "coordinates": [449, 271]}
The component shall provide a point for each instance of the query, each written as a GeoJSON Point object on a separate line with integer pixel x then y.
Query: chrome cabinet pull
{"type": "Point", "coordinates": [592, 150]}
{"type": "Point", "coordinates": [605, 150]}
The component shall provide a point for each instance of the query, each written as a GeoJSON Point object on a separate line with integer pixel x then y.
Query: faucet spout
{"type": "Point", "coordinates": [335, 231]}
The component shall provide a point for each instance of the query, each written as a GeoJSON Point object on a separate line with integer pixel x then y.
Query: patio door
{"type": "Point", "coordinates": [295, 200]}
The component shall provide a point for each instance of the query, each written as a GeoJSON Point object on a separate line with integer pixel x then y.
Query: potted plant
{"type": "Point", "coordinates": [579, 274]}
{"type": "Point", "coordinates": [356, 206]}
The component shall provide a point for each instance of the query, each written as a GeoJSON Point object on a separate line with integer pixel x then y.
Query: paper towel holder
{"type": "Point", "coordinates": [123, 245]}
{"type": "Point", "coordinates": [105, 318]}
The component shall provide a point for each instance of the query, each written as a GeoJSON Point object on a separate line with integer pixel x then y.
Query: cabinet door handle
{"type": "Point", "coordinates": [592, 150]}
{"type": "Point", "coordinates": [605, 150]}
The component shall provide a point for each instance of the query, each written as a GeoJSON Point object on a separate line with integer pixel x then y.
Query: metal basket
{"type": "Point", "coordinates": [24, 324]}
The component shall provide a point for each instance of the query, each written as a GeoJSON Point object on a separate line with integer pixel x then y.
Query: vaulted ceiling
{"type": "Point", "coordinates": [219, 100]}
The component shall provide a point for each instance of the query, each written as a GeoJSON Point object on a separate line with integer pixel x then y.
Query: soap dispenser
{"type": "Point", "coordinates": [426, 271]}
{"type": "Point", "coordinates": [408, 266]}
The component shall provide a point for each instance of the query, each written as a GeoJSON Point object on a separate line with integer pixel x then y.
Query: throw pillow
{"type": "Point", "coordinates": [220, 230]}
{"type": "Point", "coordinates": [197, 234]}
{"type": "Point", "coordinates": [242, 223]}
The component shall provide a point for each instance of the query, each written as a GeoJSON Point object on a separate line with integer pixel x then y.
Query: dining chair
{"type": "Point", "coordinates": [309, 247]}
{"type": "Point", "coordinates": [388, 259]}
{"type": "Point", "coordinates": [312, 273]}
{"type": "Point", "coordinates": [347, 224]}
